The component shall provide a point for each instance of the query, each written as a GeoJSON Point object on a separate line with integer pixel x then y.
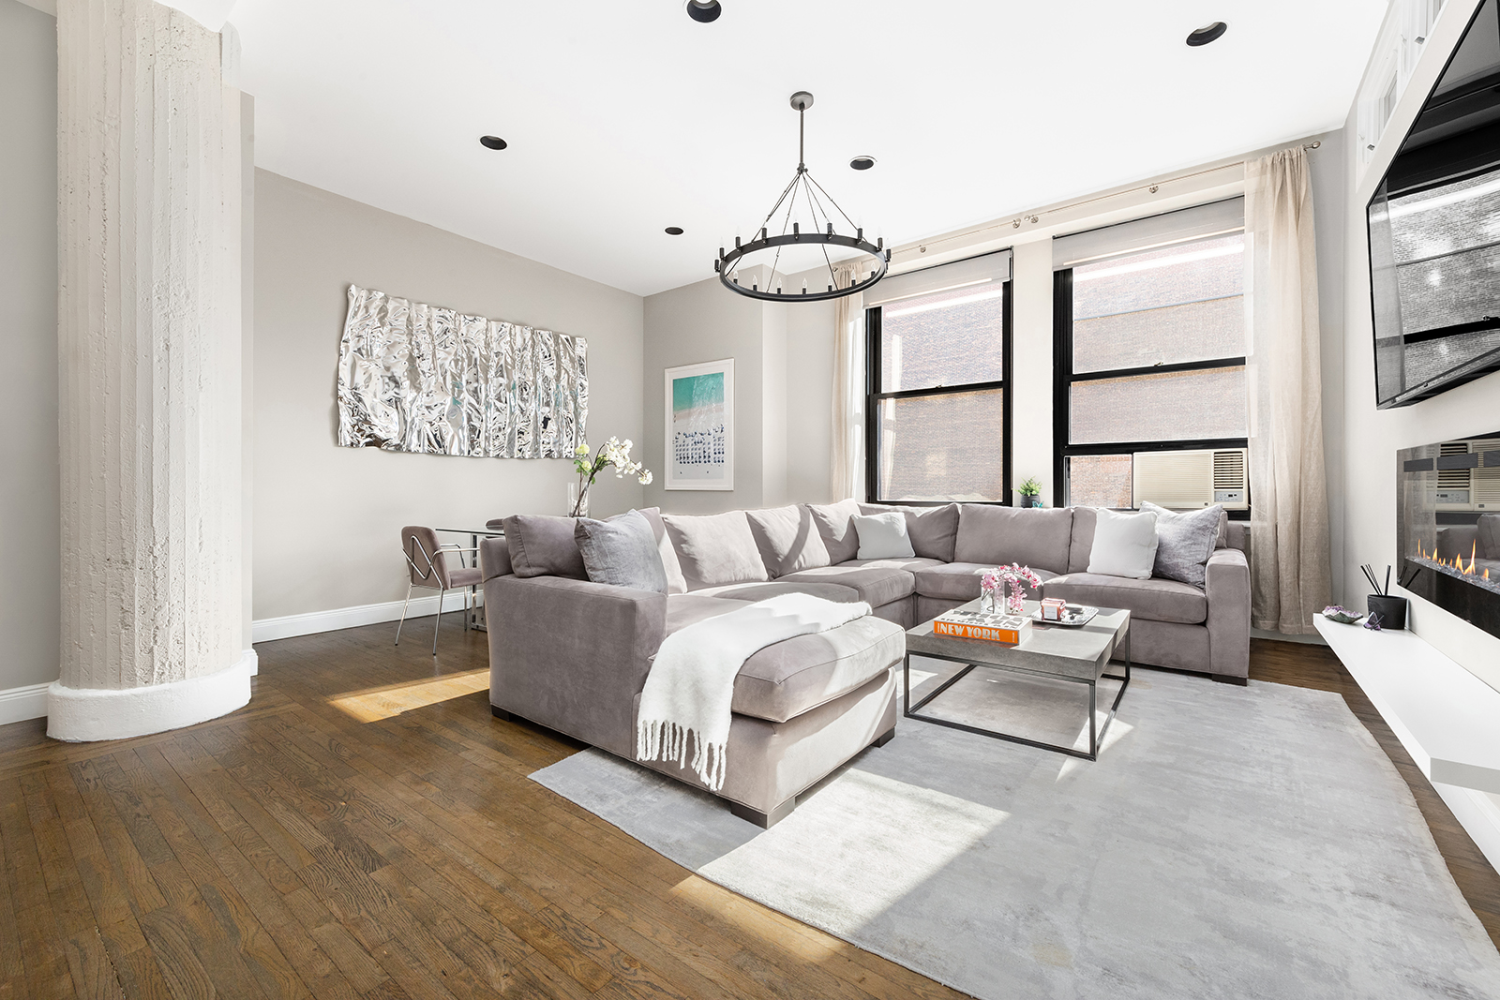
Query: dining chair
{"type": "Point", "coordinates": [427, 566]}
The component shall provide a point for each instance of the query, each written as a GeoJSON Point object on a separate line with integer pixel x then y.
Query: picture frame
{"type": "Point", "coordinates": [699, 432]}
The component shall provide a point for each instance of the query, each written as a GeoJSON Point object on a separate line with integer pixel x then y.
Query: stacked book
{"type": "Point", "coordinates": [989, 626]}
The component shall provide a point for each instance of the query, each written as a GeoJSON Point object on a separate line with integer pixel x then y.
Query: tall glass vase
{"type": "Point", "coordinates": [574, 509]}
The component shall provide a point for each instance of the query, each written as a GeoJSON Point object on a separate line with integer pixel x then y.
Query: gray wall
{"type": "Point", "coordinates": [29, 598]}
{"type": "Point", "coordinates": [327, 519]}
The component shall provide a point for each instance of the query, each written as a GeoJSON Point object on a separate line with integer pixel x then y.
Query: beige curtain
{"type": "Point", "coordinates": [848, 440]}
{"type": "Point", "coordinates": [1289, 559]}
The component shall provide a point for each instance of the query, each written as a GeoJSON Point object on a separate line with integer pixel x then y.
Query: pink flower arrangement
{"type": "Point", "coordinates": [992, 581]}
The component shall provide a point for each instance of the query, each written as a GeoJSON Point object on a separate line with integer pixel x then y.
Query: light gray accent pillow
{"type": "Point", "coordinates": [788, 540]}
{"type": "Point", "coordinates": [715, 549]}
{"type": "Point", "coordinates": [1185, 541]}
{"type": "Point", "coordinates": [543, 545]}
{"type": "Point", "coordinates": [933, 530]}
{"type": "Point", "coordinates": [835, 523]}
{"type": "Point", "coordinates": [621, 552]}
{"type": "Point", "coordinates": [676, 583]}
{"type": "Point", "coordinates": [1124, 544]}
{"type": "Point", "coordinates": [883, 536]}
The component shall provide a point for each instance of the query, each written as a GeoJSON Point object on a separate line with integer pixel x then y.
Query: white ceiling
{"type": "Point", "coordinates": [624, 116]}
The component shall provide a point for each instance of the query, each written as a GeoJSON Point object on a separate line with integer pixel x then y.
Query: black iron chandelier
{"type": "Point", "coordinates": [820, 233]}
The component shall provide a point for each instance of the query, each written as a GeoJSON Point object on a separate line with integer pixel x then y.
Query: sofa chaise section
{"type": "Point", "coordinates": [573, 656]}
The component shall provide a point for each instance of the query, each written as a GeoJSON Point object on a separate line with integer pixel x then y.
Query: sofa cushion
{"type": "Point", "coordinates": [960, 581]}
{"type": "Point", "coordinates": [621, 551]}
{"type": "Point", "coordinates": [1125, 544]}
{"type": "Point", "coordinates": [1035, 537]}
{"type": "Point", "coordinates": [1488, 536]}
{"type": "Point", "coordinates": [676, 583]}
{"type": "Point", "coordinates": [882, 536]}
{"type": "Point", "coordinates": [1184, 541]}
{"type": "Point", "coordinates": [1081, 542]}
{"type": "Point", "coordinates": [685, 609]}
{"type": "Point", "coordinates": [775, 588]}
{"type": "Point", "coordinates": [1154, 600]}
{"type": "Point", "coordinates": [786, 679]}
{"type": "Point", "coordinates": [933, 530]}
{"type": "Point", "coordinates": [911, 564]}
{"type": "Point", "coordinates": [787, 539]}
{"type": "Point", "coordinates": [715, 549]}
{"type": "Point", "coordinates": [543, 545]}
{"type": "Point", "coordinates": [835, 522]}
{"type": "Point", "coordinates": [875, 586]}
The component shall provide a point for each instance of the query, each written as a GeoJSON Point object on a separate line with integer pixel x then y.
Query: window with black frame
{"type": "Point", "coordinates": [938, 413]}
{"type": "Point", "coordinates": [1150, 353]}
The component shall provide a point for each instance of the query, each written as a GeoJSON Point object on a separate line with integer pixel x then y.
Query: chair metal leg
{"type": "Point", "coordinates": [403, 612]}
{"type": "Point", "coordinates": [466, 591]}
{"type": "Point", "coordinates": [441, 594]}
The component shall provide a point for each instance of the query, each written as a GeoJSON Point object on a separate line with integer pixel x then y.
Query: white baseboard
{"type": "Point", "coordinates": [86, 714]}
{"type": "Point", "coordinates": [312, 622]}
{"type": "Point", "coordinates": [22, 703]}
{"type": "Point", "coordinates": [1478, 814]}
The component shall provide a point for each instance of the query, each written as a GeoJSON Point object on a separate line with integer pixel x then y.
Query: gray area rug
{"type": "Point", "coordinates": [1229, 842]}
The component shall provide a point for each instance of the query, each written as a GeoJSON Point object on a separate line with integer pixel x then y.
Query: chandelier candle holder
{"type": "Point", "coordinates": [1016, 578]}
{"type": "Point", "coordinates": [807, 193]}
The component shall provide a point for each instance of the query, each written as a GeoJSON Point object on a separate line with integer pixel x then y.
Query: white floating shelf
{"type": "Point", "coordinates": [1448, 719]}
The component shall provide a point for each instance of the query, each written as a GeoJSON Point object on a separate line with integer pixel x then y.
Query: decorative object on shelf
{"type": "Point", "coordinates": [1336, 613]}
{"type": "Point", "coordinates": [420, 378]}
{"type": "Point", "coordinates": [613, 452]}
{"type": "Point", "coordinates": [820, 233]}
{"type": "Point", "coordinates": [1030, 492]}
{"type": "Point", "coordinates": [1385, 611]}
{"type": "Point", "coordinates": [1052, 609]}
{"type": "Point", "coordinates": [700, 426]}
{"type": "Point", "coordinates": [993, 581]}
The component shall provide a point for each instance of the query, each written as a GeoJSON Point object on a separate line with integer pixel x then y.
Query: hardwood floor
{"type": "Point", "coordinates": [365, 829]}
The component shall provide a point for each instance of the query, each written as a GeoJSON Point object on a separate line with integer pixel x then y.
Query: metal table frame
{"type": "Point", "coordinates": [1096, 732]}
{"type": "Point", "coordinates": [476, 618]}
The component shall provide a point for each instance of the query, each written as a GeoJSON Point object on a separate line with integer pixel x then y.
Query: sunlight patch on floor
{"type": "Point", "coordinates": [750, 917]}
{"type": "Point", "coordinates": [374, 704]}
{"type": "Point", "coordinates": [1117, 731]}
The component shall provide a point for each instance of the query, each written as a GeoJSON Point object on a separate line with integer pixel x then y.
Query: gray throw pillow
{"type": "Point", "coordinates": [835, 523]}
{"type": "Point", "coordinates": [676, 582]}
{"type": "Point", "coordinates": [621, 552]}
{"type": "Point", "coordinates": [543, 545]}
{"type": "Point", "coordinates": [788, 540]}
{"type": "Point", "coordinates": [1185, 541]}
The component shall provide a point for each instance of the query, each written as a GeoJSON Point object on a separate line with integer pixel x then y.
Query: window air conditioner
{"type": "Point", "coordinates": [1476, 488]}
{"type": "Point", "coordinates": [1188, 480]}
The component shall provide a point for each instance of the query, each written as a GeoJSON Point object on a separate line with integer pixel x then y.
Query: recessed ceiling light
{"type": "Point", "coordinates": [862, 162]}
{"type": "Point", "coordinates": [674, 230]}
{"type": "Point", "coordinates": [1207, 33]}
{"type": "Point", "coordinates": [704, 11]}
{"type": "Point", "coordinates": [492, 142]}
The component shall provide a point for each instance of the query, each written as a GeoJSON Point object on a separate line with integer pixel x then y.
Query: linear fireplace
{"type": "Point", "coordinates": [1448, 526]}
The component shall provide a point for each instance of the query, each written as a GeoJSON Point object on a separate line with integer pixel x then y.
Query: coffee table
{"type": "Point", "coordinates": [1078, 654]}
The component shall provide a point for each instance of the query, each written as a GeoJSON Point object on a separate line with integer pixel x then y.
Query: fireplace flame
{"type": "Point", "coordinates": [1457, 562]}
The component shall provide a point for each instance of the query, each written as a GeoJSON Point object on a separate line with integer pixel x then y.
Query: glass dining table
{"type": "Point", "coordinates": [476, 611]}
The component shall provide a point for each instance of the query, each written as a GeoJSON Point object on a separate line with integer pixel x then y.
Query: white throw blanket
{"type": "Point", "coordinates": [691, 684]}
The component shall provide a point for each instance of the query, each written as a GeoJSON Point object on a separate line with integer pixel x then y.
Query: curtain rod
{"type": "Point", "coordinates": [1035, 217]}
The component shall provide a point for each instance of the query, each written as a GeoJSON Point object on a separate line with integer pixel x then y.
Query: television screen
{"type": "Point", "coordinates": [1435, 232]}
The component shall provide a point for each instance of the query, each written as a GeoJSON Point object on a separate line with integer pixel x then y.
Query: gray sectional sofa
{"type": "Point", "coordinates": [573, 655]}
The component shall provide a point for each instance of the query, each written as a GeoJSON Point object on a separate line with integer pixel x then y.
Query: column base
{"type": "Point", "coordinates": [78, 715]}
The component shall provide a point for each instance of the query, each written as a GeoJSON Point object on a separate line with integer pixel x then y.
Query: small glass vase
{"type": "Point", "coordinates": [987, 601]}
{"type": "Point", "coordinates": [574, 510]}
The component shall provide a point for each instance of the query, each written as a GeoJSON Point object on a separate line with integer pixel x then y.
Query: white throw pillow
{"type": "Point", "coordinates": [1124, 544]}
{"type": "Point", "coordinates": [883, 536]}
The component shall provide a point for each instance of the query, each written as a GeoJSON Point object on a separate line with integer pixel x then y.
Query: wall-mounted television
{"type": "Point", "coordinates": [1435, 232]}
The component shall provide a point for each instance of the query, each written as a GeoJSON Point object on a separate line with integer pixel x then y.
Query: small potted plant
{"type": "Point", "coordinates": [1031, 492]}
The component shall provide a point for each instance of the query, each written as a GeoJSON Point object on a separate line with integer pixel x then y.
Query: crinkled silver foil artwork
{"type": "Point", "coordinates": [420, 378]}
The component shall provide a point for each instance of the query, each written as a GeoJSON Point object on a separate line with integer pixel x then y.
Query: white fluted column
{"type": "Point", "coordinates": [149, 366]}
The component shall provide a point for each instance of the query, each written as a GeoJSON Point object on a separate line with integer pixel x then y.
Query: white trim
{"type": "Point", "coordinates": [1478, 814]}
{"type": "Point", "coordinates": [312, 622]}
{"type": "Point", "coordinates": [84, 714]}
{"type": "Point", "coordinates": [22, 703]}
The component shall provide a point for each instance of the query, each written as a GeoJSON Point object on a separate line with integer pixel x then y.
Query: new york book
{"type": "Point", "coordinates": [985, 625]}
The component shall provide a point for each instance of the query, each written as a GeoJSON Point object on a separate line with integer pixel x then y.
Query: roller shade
{"type": "Point", "coordinates": [991, 268]}
{"type": "Point", "coordinates": [1196, 223]}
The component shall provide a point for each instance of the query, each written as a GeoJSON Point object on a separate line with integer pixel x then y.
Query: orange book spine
{"type": "Point", "coordinates": [958, 630]}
